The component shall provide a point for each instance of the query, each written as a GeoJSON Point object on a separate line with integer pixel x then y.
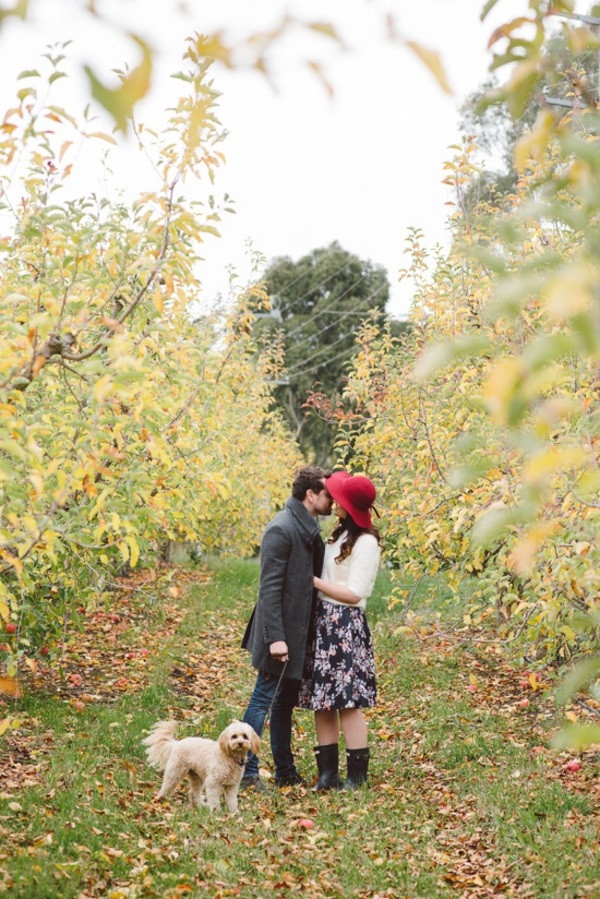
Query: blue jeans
{"type": "Point", "coordinates": [280, 721]}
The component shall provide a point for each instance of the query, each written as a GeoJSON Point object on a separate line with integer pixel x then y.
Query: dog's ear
{"type": "Point", "coordinates": [254, 741]}
{"type": "Point", "coordinates": [223, 742]}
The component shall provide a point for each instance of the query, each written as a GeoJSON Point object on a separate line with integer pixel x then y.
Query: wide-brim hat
{"type": "Point", "coordinates": [354, 493]}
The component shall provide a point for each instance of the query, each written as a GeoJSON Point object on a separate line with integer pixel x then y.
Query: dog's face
{"type": "Point", "coordinates": [238, 739]}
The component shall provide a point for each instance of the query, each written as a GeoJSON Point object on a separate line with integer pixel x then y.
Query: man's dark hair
{"type": "Point", "coordinates": [309, 478]}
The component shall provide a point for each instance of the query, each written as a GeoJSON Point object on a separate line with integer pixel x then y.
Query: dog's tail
{"type": "Point", "coordinates": [159, 743]}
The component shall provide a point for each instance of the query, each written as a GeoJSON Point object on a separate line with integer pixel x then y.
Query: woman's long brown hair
{"type": "Point", "coordinates": [348, 525]}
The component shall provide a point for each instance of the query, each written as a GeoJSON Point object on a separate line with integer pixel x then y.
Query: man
{"type": "Point", "coordinates": [291, 553]}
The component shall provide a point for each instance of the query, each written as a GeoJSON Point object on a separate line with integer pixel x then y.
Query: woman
{"type": "Point", "coordinates": [339, 675]}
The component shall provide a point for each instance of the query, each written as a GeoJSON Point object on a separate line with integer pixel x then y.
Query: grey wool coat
{"type": "Point", "coordinates": [291, 552]}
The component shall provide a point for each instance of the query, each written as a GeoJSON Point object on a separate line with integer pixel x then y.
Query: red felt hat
{"type": "Point", "coordinates": [354, 493]}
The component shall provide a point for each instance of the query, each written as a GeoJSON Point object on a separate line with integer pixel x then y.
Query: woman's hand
{"type": "Point", "coordinates": [336, 591]}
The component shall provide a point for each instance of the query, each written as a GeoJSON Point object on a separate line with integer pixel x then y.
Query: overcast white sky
{"type": "Point", "coordinates": [305, 170]}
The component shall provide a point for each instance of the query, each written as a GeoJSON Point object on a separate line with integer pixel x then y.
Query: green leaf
{"type": "Point", "coordinates": [577, 737]}
{"type": "Point", "coordinates": [512, 293]}
{"type": "Point", "coordinates": [490, 260]}
{"type": "Point", "coordinates": [119, 102]}
{"type": "Point", "coordinates": [488, 7]}
{"type": "Point", "coordinates": [26, 92]}
{"type": "Point", "coordinates": [586, 327]}
{"type": "Point", "coordinates": [6, 469]}
{"type": "Point", "coordinates": [442, 354]}
{"type": "Point", "coordinates": [463, 475]}
{"type": "Point", "coordinates": [490, 526]}
{"type": "Point", "coordinates": [581, 676]}
{"type": "Point", "coordinates": [522, 89]}
{"type": "Point", "coordinates": [546, 349]}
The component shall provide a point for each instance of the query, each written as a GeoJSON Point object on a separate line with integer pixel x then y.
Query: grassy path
{"type": "Point", "coordinates": [466, 798]}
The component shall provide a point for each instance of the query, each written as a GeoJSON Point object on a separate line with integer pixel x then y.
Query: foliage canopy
{"type": "Point", "coordinates": [488, 454]}
{"type": "Point", "coordinates": [317, 305]}
{"type": "Point", "coordinates": [123, 423]}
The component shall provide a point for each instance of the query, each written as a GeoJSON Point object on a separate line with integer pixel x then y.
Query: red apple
{"type": "Point", "coordinates": [10, 627]}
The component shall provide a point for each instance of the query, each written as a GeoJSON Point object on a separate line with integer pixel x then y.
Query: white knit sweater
{"type": "Point", "coordinates": [358, 570]}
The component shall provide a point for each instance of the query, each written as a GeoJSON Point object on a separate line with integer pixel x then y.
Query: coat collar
{"type": "Point", "coordinates": [303, 516]}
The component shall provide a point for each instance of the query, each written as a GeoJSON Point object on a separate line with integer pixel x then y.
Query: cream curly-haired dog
{"type": "Point", "coordinates": [213, 767]}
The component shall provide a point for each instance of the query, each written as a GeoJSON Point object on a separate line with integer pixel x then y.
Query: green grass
{"type": "Point", "coordinates": [459, 804]}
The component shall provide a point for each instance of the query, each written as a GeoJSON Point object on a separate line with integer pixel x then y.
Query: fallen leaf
{"type": "Point", "coordinates": [11, 686]}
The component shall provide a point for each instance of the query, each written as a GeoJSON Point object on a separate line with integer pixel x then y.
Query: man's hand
{"type": "Point", "coordinates": [279, 650]}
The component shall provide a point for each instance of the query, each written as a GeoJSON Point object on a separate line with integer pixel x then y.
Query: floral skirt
{"type": "Point", "coordinates": [339, 672]}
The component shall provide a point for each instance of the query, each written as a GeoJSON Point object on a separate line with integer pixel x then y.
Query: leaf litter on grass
{"type": "Point", "coordinates": [456, 804]}
{"type": "Point", "coordinates": [111, 656]}
{"type": "Point", "coordinates": [490, 725]}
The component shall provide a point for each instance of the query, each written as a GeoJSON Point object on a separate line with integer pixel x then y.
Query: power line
{"type": "Point", "coordinates": [325, 310]}
{"type": "Point", "coordinates": [328, 310]}
{"type": "Point", "coordinates": [312, 289]}
{"type": "Point", "coordinates": [327, 361]}
{"type": "Point", "coordinates": [325, 349]}
{"type": "Point", "coordinates": [299, 365]}
{"type": "Point", "coordinates": [343, 314]}
{"type": "Point", "coordinates": [308, 272]}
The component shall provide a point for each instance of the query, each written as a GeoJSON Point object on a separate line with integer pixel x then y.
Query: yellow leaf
{"type": "Point", "coordinates": [523, 555]}
{"type": "Point", "coordinates": [569, 292]}
{"type": "Point", "coordinates": [102, 388]}
{"type": "Point", "coordinates": [553, 460]}
{"type": "Point", "coordinates": [134, 550]}
{"type": "Point", "coordinates": [506, 29]}
{"type": "Point", "coordinates": [64, 148]}
{"type": "Point", "coordinates": [102, 136]}
{"type": "Point", "coordinates": [533, 142]}
{"type": "Point", "coordinates": [432, 59]}
{"type": "Point", "coordinates": [158, 298]}
{"type": "Point", "coordinates": [214, 48]}
{"type": "Point", "coordinates": [12, 560]}
{"type": "Point", "coordinates": [8, 724]}
{"type": "Point", "coordinates": [4, 610]}
{"type": "Point", "coordinates": [10, 686]}
{"type": "Point", "coordinates": [325, 28]}
{"type": "Point", "coordinates": [120, 102]}
{"type": "Point", "coordinates": [37, 481]}
{"type": "Point", "coordinates": [533, 681]}
{"type": "Point", "coordinates": [501, 385]}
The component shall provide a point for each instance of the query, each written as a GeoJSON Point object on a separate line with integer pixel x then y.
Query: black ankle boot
{"type": "Point", "coordinates": [358, 766]}
{"type": "Point", "coordinates": [327, 762]}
